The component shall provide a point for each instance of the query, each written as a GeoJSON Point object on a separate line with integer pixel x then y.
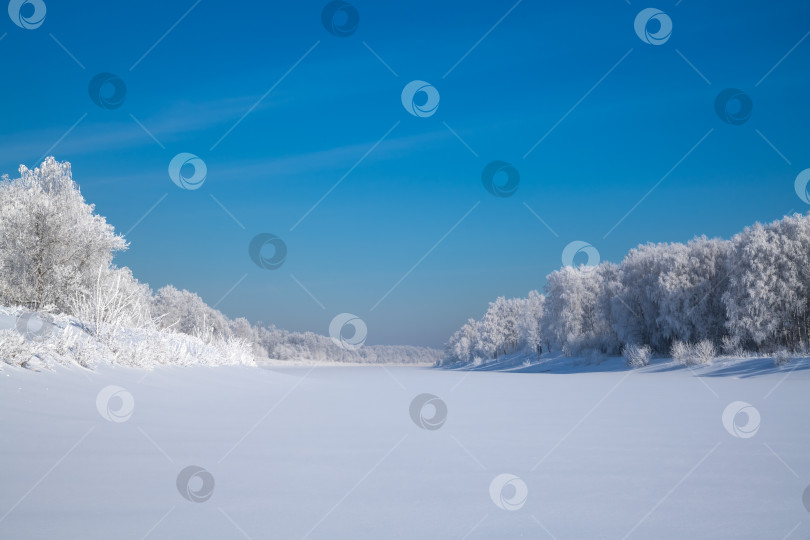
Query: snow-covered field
{"type": "Point", "coordinates": [337, 452]}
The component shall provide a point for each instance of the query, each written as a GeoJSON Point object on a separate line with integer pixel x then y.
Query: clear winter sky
{"type": "Point", "coordinates": [617, 115]}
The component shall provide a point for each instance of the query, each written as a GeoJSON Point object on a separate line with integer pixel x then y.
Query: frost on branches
{"type": "Point", "coordinates": [747, 294]}
{"type": "Point", "coordinates": [51, 243]}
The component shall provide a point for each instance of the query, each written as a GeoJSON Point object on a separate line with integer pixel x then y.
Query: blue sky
{"type": "Point", "coordinates": [410, 231]}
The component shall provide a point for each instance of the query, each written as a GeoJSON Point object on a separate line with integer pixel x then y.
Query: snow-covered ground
{"type": "Point", "coordinates": [338, 452]}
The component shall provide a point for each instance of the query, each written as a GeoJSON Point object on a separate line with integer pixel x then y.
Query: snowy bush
{"type": "Point", "coordinates": [705, 352]}
{"type": "Point", "coordinates": [71, 342]}
{"type": "Point", "coordinates": [15, 349]}
{"type": "Point", "coordinates": [687, 354]}
{"type": "Point", "coordinates": [681, 352]}
{"type": "Point", "coordinates": [147, 348]}
{"type": "Point", "coordinates": [74, 345]}
{"type": "Point", "coordinates": [116, 300]}
{"type": "Point", "coordinates": [637, 356]}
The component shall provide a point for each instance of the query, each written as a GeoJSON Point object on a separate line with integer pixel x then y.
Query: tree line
{"type": "Point", "coordinates": [747, 294]}
{"type": "Point", "coordinates": [56, 257]}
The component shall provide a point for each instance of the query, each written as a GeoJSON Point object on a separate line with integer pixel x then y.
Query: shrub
{"type": "Point", "coordinates": [687, 354]}
{"type": "Point", "coordinates": [637, 356]}
{"type": "Point", "coordinates": [15, 349]}
{"type": "Point", "coordinates": [116, 300]}
{"type": "Point", "coordinates": [705, 352]}
{"type": "Point", "coordinates": [71, 342]}
{"type": "Point", "coordinates": [681, 352]}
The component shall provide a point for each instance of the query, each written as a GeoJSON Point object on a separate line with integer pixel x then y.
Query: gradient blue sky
{"type": "Point", "coordinates": [533, 67]}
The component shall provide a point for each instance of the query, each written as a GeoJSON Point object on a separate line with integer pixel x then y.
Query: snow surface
{"type": "Point", "coordinates": [332, 452]}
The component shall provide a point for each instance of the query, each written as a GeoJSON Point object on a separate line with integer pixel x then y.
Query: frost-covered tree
{"type": "Point", "coordinates": [461, 344]}
{"type": "Point", "coordinates": [185, 312]}
{"type": "Point", "coordinates": [768, 296]}
{"type": "Point", "coordinates": [636, 306]}
{"type": "Point", "coordinates": [508, 326]}
{"type": "Point", "coordinates": [309, 346]}
{"type": "Point", "coordinates": [530, 320]}
{"type": "Point", "coordinates": [577, 312]}
{"type": "Point", "coordinates": [52, 244]}
{"type": "Point", "coordinates": [691, 306]}
{"type": "Point", "coordinates": [498, 332]}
